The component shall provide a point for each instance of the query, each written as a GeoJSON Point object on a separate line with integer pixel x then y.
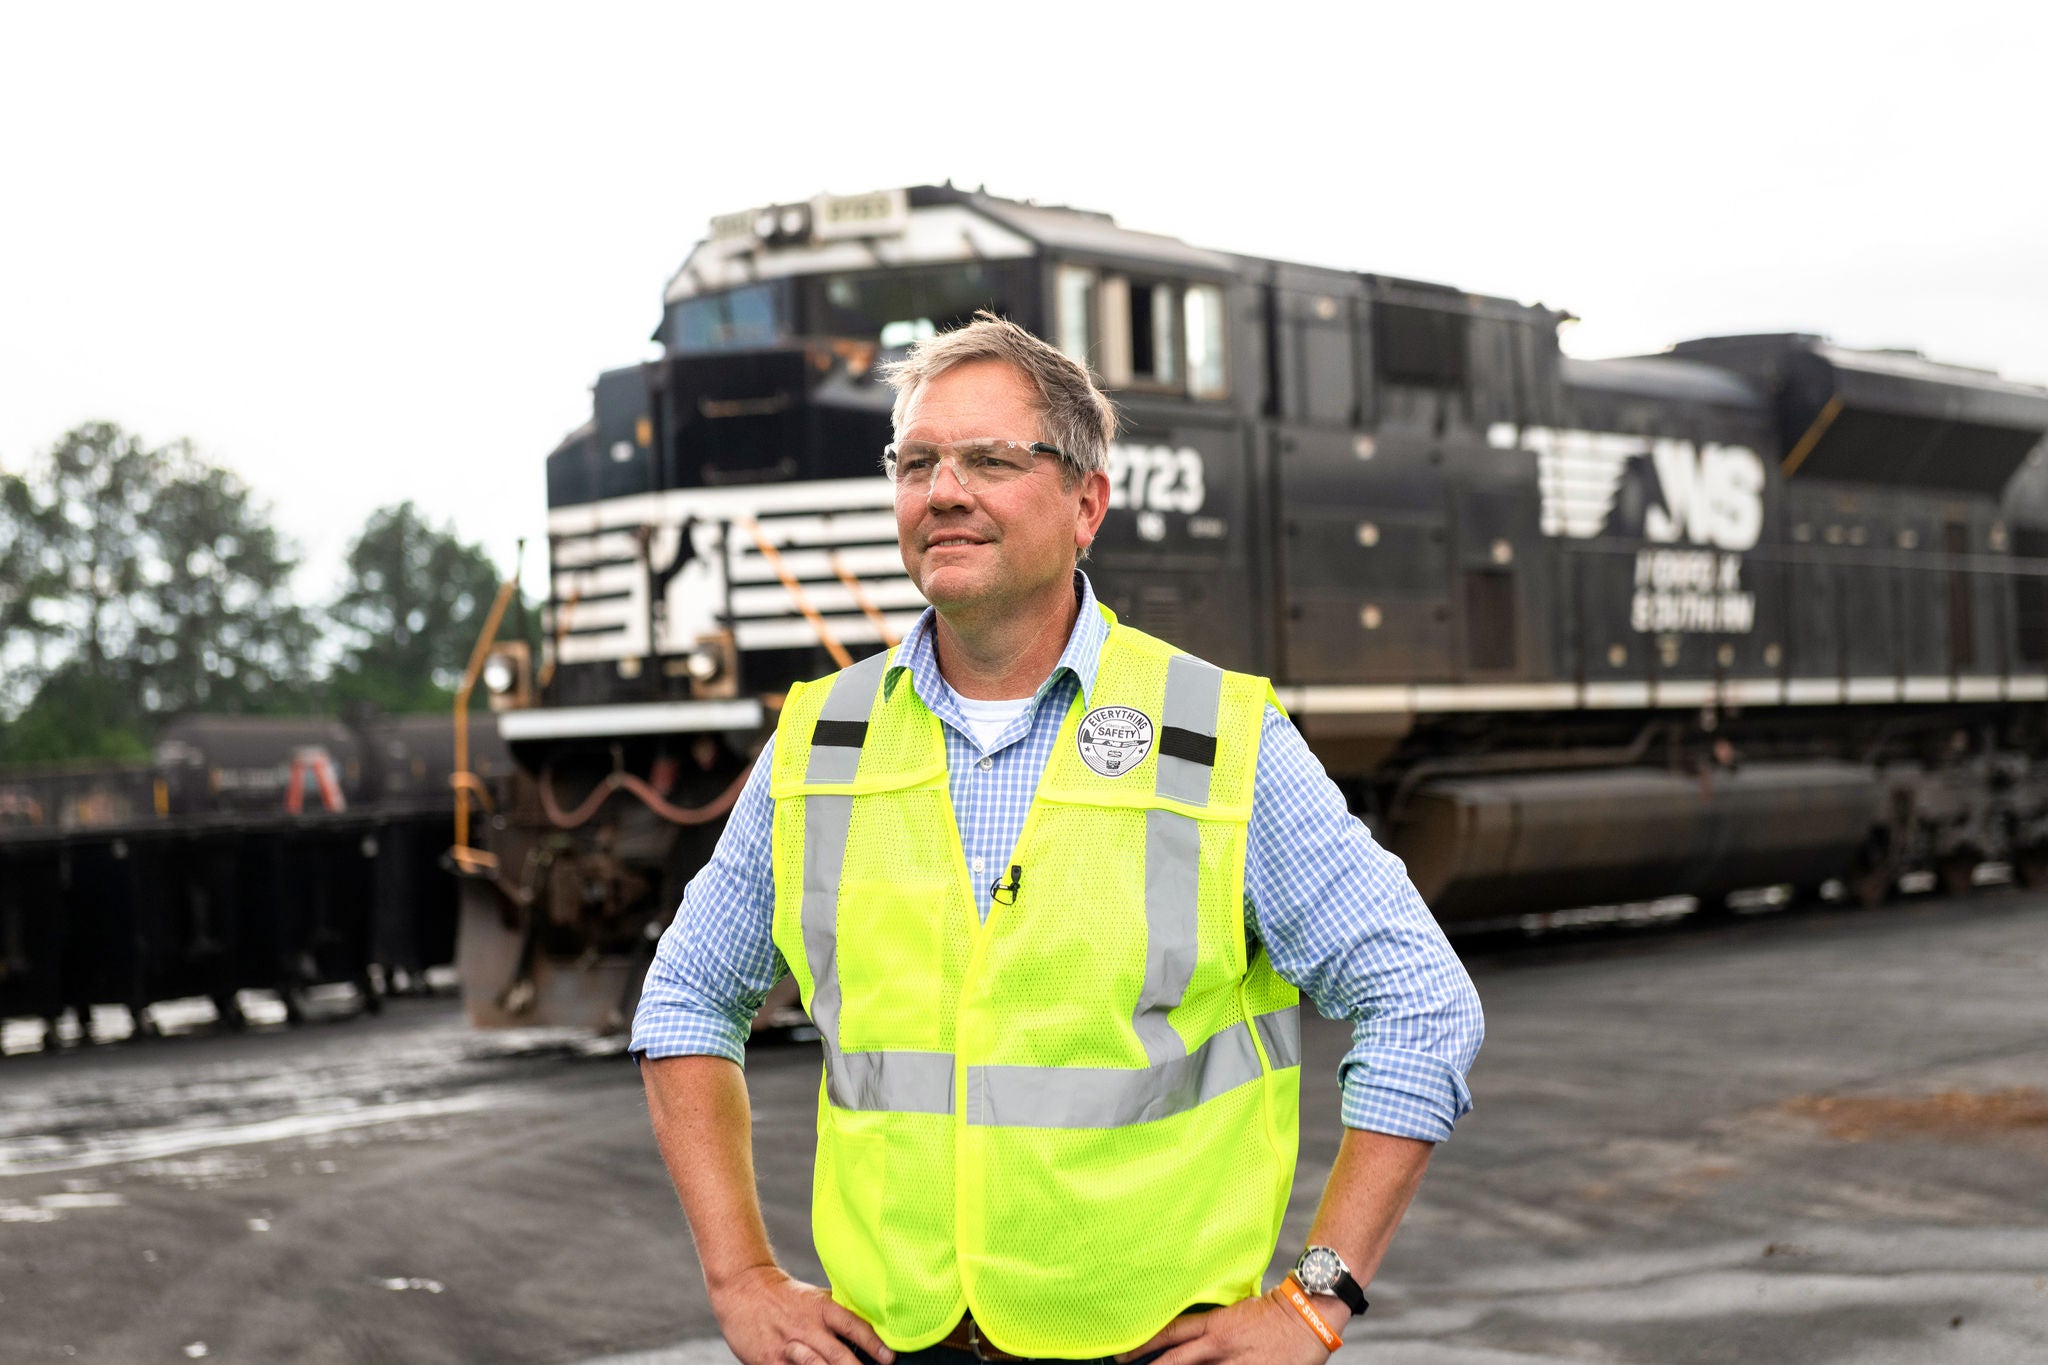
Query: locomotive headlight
{"type": "Point", "coordinates": [703, 664]}
{"type": "Point", "coordinates": [507, 676]}
{"type": "Point", "coordinates": [499, 675]}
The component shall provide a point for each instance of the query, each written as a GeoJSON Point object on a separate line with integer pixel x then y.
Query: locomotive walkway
{"type": "Point", "coordinates": [1818, 1136]}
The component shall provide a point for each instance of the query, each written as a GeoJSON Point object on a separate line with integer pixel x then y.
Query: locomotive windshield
{"type": "Point", "coordinates": [897, 307]}
{"type": "Point", "coordinates": [891, 308]}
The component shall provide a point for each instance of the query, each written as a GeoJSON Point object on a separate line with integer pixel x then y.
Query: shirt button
{"type": "Point", "coordinates": [986, 763]}
{"type": "Point", "coordinates": [977, 866]}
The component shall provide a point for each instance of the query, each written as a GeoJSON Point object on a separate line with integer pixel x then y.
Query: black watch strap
{"type": "Point", "coordinates": [1347, 1289]}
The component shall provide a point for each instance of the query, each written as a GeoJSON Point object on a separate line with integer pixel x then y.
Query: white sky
{"type": "Point", "coordinates": [361, 253]}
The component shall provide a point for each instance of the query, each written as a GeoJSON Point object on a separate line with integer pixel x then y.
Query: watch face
{"type": "Point", "coordinates": [1318, 1270]}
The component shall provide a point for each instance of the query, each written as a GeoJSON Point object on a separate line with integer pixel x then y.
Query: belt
{"type": "Point", "coordinates": [966, 1336]}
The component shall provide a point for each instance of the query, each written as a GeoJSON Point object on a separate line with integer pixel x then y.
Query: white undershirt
{"type": "Point", "coordinates": [986, 720]}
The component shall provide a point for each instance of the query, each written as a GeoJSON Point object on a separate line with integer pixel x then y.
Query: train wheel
{"type": "Point", "coordinates": [1872, 886]}
{"type": "Point", "coordinates": [2030, 866]}
{"type": "Point", "coordinates": [229, 1010]}
{"type": "Point", "coordinates": [143, 1023]}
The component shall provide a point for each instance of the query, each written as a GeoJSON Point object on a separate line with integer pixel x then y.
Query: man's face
{"type": "Point", "coordinates": [993, 546]}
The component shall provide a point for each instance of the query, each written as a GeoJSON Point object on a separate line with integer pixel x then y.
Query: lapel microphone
{"type": "Point", "coordinates": [999, 889]}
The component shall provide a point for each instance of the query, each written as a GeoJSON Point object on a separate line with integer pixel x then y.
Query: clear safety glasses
{"type": "Point", "coordinates": [981, 462]}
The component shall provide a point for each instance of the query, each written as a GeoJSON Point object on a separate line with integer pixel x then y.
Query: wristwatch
{"type": "Point", "coordinates": [1322, 1271]}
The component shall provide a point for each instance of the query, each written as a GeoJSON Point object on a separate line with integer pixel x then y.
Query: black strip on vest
{"type": "Point", "coordinates": [841, 734]}
{"type": "Point", "coordinates": [1178, 743]}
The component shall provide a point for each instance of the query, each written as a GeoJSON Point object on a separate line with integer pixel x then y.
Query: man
{"type": "Point", "coordinates": [1048, 888]}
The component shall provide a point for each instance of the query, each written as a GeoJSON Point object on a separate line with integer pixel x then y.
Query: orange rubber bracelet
{"type": "Point", "coordinates": [1298, 1296]}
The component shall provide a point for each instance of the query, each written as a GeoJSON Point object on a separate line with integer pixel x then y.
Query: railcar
{"type": "Point", "coordinates": [249, 853]}
{"type": "Point", "coordinates": [1758, 610]}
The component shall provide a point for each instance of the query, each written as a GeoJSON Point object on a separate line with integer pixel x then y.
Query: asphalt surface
{"type": "Point", "coordinates": [1807, 1137]}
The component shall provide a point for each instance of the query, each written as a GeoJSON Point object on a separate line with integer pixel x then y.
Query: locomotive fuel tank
{"type": "Point", "coordinates": [1481, 847]}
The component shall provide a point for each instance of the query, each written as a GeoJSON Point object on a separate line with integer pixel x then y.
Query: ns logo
{"type": "Point", "coordinates": [1664, 490]}
{"type": "Point", "coordinates": [1713, 498]}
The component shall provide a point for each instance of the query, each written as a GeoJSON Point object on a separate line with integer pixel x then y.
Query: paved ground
{"type": "Point", "coordinates": [1819, 1137]}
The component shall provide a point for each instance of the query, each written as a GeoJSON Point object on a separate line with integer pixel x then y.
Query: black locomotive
{"type": "Point", "coordinates": [1759, 610]}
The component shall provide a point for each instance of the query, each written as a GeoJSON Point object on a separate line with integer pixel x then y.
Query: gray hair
{"type": "Point", "coordinates": [1073, 414]}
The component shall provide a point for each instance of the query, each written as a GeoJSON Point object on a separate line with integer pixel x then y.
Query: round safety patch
{"type": "Point", "coordinates": [1114, 739]}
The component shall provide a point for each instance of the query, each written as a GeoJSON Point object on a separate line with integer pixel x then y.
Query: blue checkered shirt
{"type": "Point", "coordinates": [1337, 913]}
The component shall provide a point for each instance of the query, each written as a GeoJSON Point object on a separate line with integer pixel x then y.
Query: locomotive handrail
{"type": "Point", "coordinates": [475, 785]}
{"type": "Point", "coordinates": [484, 641]}
{"type": "Point", "coordinates": [863, 601]}
{"type": "Point", "coordinates": [796, 594]}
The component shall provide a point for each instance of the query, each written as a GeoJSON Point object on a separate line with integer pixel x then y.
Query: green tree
{"type": "Point", "coordinates": [74, 715]}
{"type": "Point", "coordinates": [26, 584]}
{"type": "Point", "coordinates": [217, 629]}
{"type": "Point", "coordinates": [140, 581]}
{"type": "Point", "coordinates": [415, 598]}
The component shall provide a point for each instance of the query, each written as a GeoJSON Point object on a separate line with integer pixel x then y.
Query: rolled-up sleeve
{"type": "Point", "coordinates": [1342, 923]}
{"type": "Point", "coordinates": [717, 961]}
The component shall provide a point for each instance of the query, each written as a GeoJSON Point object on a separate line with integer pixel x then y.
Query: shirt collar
{"type": "Point", "coordinates": [918, 655]}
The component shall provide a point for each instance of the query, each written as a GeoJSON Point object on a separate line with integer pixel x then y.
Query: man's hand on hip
{"type": "Point", "coordinates": [1265, 1329]}
{"type": "Point", "coordinates": [770, 1318]}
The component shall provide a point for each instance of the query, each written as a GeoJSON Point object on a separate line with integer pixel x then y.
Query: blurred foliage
{"type": "Point", "coordinates": [139, 582]}
{"type": "Point", "coordinates": [414, 601]}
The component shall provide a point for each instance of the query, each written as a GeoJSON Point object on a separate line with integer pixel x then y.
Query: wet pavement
{"type": "Point", "coordinates": [1805, 1137]}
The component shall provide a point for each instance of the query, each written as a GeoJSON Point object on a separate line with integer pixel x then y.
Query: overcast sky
{"type": "Point", "coordinates": [363, 253]}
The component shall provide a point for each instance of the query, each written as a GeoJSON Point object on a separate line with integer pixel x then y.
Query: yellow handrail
{"type": "Point", "coordinates": [862, 600]}
{"type": "Point", "coordinates": [462, 778]}
{"type": "Point", "coordinates": [796, 594]}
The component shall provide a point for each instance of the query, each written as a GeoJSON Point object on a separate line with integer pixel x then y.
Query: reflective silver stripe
{"type": "Point", "coordinates": [1173, 863]}
{"type": "Point", "coordinates": [1280, 1031]}
{"type": "Point", "coordinates": [1194, 691]}
{"type": "Point", "coordinates": [851, 698]}
{"type": "Point", "coordinates": [1110, 1097]}
{"type": "Point", "coordinates": [826, 821]}
{"type": "Point", "coordinates": [1173, 846]}
{"type": "Point", "coordinates": [899, 1082]}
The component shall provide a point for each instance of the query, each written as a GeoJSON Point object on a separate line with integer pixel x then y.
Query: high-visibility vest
{"type": "Point", "coordinates": [1078, 1118]}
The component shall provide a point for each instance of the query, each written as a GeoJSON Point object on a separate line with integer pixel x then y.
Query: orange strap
{"type": "Point", "coordinates": [1298, 1296]}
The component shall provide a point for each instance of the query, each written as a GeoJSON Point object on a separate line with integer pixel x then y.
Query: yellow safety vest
{"type": "Point", "coordinates": [1078, 1118]}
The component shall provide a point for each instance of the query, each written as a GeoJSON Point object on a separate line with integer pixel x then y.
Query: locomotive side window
{"type": "Point", "coordinates": [1150, 334]}
{"type": "Point", "coordinates": [1074, 311]}
{"type": "Point", "coordinates": [1205, 341]}
{"type": "Point", "coordinates": [732, 320]}
{"type": "Point", "coordinates": [1154, 336]}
